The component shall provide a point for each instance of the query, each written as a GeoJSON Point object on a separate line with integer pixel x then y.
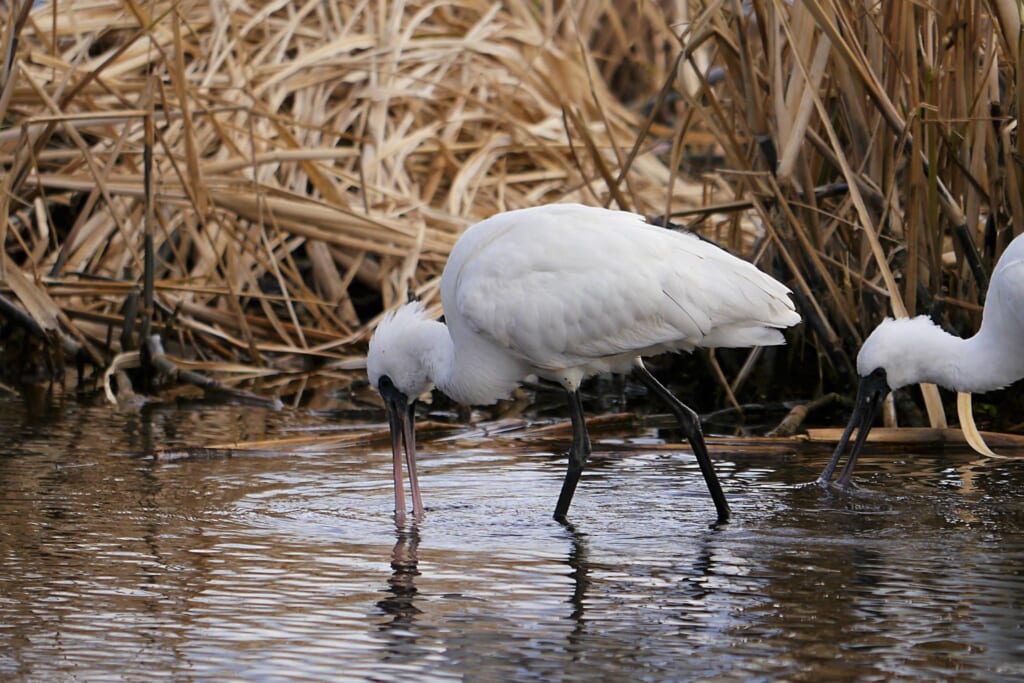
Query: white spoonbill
{"type": "Point", "coordinates": [914, 350]}
{"type": "Point", "coordinates": [564, 292]}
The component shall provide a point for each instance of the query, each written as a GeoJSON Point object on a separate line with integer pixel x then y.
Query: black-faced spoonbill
{"type": "Point", "coordinates": [565, 292]}
{"type": "Point", "coordinates": [914, 350]}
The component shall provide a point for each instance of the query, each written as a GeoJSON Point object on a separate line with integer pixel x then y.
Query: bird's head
{"type": "Point", "coordinates": [398, 366]}
{"type": "Point", "coordinates": [395, 363]}
{"type": "Point", "coordinates": [891, 357]}
{"type": "Point", "coordinates": [897, 349]}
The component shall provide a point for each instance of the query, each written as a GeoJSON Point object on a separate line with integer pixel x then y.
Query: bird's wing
{"type": "Point", "coordinates": [560, 285]}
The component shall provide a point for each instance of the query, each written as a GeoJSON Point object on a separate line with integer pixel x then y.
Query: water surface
{"type": "Point", "coordinates": [285, 564]}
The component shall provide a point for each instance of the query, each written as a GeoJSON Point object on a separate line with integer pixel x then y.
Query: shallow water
{"type": "Point", "coordinates": [287, 565]}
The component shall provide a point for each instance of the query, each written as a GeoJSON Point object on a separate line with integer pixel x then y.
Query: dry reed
{"type": "Point", "coordinates": [312, 163]}
{"type": "Point", "coordinates": [295, 167]}
{"type": "Point", "coordinates": [909, 109]}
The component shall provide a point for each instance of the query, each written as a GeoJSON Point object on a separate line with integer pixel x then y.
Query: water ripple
{"type": "Point", "coordinates": [289, 566]}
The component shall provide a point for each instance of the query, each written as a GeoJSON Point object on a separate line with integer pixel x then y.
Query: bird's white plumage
{"type": "Point", "coordinates": [566, 285]}
{"type": "Point", "coordinates": [567, 291]}
{"type": "Point", "coordinates": [914, 350]}
{"type": "Point", "coordinates": [1004, 302]}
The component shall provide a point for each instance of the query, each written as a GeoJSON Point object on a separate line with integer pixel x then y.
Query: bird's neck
{"type": "Point", "coordinates": [470, 371]}
{"type": "Point", "coordinates": [980, 363]}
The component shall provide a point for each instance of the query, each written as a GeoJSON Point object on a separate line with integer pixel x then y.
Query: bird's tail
{"type": "Point", "coordinates": [743, 335]}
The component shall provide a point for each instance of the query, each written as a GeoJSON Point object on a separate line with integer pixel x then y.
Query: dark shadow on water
{"type": "Point", "coordinates": [854, 498]}
{"type": "Point", "coordinates": [138, 428]}
{"type": "Point", "coordinates": [40, 400]}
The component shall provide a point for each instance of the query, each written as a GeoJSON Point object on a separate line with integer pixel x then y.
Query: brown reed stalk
{"type": "Point", "coordinates": [309, 165]}
{"type": "Point", "coordinates": [911, 107]}
{"type": "Point", "coordinates": [313, 164]}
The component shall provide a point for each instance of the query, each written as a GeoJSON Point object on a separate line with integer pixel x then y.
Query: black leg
{"type": "Point", "coordinates": [578, 453]}
{"type": "Point", "coordinates": [690, 424]}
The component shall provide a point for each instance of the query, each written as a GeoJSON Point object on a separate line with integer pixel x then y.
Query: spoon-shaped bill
{"type": "Point", "coordinates": [873, 388]}
{"type": "Point", "coordinates": [402, 420]}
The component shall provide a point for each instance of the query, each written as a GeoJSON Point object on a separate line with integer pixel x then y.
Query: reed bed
{"type": "Point", "coordinates": [257, 182]}
{"type": "Point", "coordinates": [877, 144]}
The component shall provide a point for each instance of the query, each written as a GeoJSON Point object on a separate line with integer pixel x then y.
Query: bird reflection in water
{"type": "Point", "coordinates": [579, 562]}
{"type": "Point", "coordinates": [401, 632]}
{"type": "Point", "coordinates": [402, 585]}
{"type": "Point", "coordinates": [689, 593]}
{"type": "Point", "coordinates": [580, 566]}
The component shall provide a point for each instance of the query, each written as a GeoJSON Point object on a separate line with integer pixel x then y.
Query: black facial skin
{"type": "Point", "coordinates": [872, 390]}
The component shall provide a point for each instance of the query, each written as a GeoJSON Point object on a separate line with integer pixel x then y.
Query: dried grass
{"type": "Point", "coordinates": [312, 163]}
{"type": "Point", "coordinates": [913, 108]}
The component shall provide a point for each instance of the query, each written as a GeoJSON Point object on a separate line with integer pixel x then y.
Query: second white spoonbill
{"type": "Point", "coordinates": [913, 350]}
{"type": "Point", "coordinates": [564, 292]}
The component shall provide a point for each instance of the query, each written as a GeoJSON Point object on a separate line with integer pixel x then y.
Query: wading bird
{"type": "Point", "coordinates": [914, 350]}
{"type": "Point", "coordinates": [564, 292]}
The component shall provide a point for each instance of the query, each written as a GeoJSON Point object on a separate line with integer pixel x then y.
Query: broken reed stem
{"type": "Point", "coordinates": [149, 257]}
